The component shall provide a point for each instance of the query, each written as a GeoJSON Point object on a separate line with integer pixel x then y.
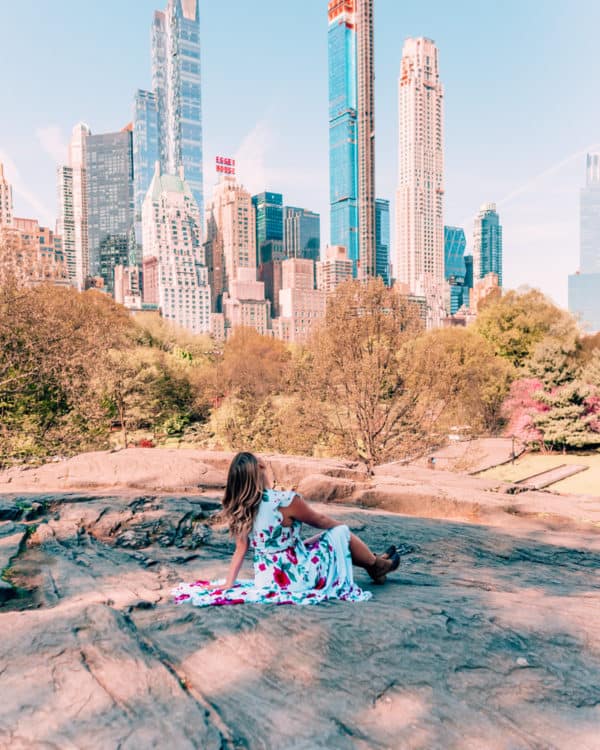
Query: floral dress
{"type": "Point", "coordinates": [286, 570]}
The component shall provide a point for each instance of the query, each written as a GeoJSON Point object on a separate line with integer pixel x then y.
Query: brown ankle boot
{"type": "Point", "coordinates": [382, 565]}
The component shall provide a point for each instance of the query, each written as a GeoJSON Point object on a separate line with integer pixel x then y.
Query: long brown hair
{"type": "Point", "coordinates": [243, 493]}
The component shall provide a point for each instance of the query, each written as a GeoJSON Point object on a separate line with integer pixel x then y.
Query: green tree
{"type": "Point", "coordinates": [555, 361]}
{"type": "Point", "coordinates": [459, 379]}
{"type": "Point", "coordinates": [518, 321]}
{"type": "Point", "coordinates": [567, 423]}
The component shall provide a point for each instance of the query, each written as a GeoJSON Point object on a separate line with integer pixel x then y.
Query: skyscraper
{"type": "Point", "coordinates": [366, 137]}
{"type": "Point", "coordinates": [110, 215]}
{"type": "Point", "coordinates": [269, 223]}
{"type": "Point", "coordinates": [176, 85]}
{"type": "Point", "coordinates": [589, 217]}
{"type": "Point", "coordinates": [145, 146]}
{"type": "Point", "coordinates": [420, 194]}
{"type": "Point", "coordinates": [231, 235]}
{"type": "Point", "coordinates": [487, 243]}
{"type": "Point", "coordinates": [343, 127]}
{"type": "Point", "coordinates": [72, 223]}
{"type": "Point", "coordinates": [584, 287]}
{"type": "Point", "coordinates": [6, 200]}
{"type": "Point", "coordinates": [455, 268]}
{"type": "Point", "coordinates": [455, 244]}
{"type": "Point", "coordinates": [302, 233]}
{"type": "Point", "coordinates": [172, 248]}
{"type": "Point", "coordinates": [382, 240]}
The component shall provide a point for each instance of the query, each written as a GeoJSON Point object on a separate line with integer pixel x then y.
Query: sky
{"type": "Point", "coordinates": [521, 104]}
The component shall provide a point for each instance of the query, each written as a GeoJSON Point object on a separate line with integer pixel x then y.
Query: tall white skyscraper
{"type": "Point", "coordinates": [172, 247]}
{"type": "Point", "coordinates": [6, 201]}
{"type": "Point", "coordinates": [419, 260]}
{"type": "Point", "coordinates": [72, 223]}
{"type": "Point", "coordinates": [176, 84]}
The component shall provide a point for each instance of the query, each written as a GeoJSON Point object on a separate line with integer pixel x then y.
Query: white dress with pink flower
{"type": "Point", "coordinates": [286, 570]}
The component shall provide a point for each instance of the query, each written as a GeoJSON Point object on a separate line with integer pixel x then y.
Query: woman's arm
{"type": "Point", "coordinates": [302, 511]}
{"type": "Point", "coordinates": [241, 547]}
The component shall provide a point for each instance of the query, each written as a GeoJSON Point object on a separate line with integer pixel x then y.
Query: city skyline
{"type": "Point", "coordinates": [540, 217]}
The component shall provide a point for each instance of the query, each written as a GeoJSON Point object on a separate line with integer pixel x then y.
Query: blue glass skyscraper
{"type": "Point", "coordinates": [487, 243]}
{"type": "Point", "coordinates": [343, 128]}
{"type": "Point", "coordinates": [269, 222]}
{"type": "Point", "coordinates": [455, 268]}
{"type": "Point", "coordinates": [382, 239]}
{"type": "Point", "coordinates": [177, 87]}
{"type": "Point", "coordinates": [455, 244]}
{"type": "Point", "coordinates": [145, 146]}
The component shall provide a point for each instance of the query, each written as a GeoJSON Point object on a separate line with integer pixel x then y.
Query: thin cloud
{"type": "Point", "coordinates": [21, 191]}
{"type": "Point", "coordinates": [51, 140]}
{"type": "Point", "coordinates": [533, 182]}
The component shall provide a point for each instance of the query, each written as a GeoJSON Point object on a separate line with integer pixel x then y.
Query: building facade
{"type": "Point", "coordinates": [145, 147]}
{"type": "Point", "coordinates": [176, 84]}
{"type": "Point", "coordinates": [302, 233]}
{"type": "Point", "coordinates": [6, 199]}
{"type": "Point", "coordinates": [334, 269]}
{"type": "Point", "coordinates": [365, 81]}
{"type": "Point", "coordinates": [343, 127]}
{"type": "Point", "coordinates": [33, 254]}
{"type": "Point", "coordinates": [171, 235]}
{"type": "Point", "coordinates": [382, 240]}
{"type": "Point", "coordinates": [245, 304]}
{"type": "Point", "coordinates": [268, 209]}
{"type": "Point", "coordinates": [110, 211]}
{"type": "Point", "coordinates": [584, 287]}
{"type": "Point", "coordinates": [128, 286]}
{"type": "Point", "coordinates": [301, 306]}
{"type": "Point", "coordinates": [487, 243]}
{"type": "Point", "coordinates": [72, 222]}
{"type": "Point", "coordinates": [419, 261]}
{"type": "Point", "coordinates": [231, 235]}
{"type": "Point", "coordinates": [455, 269]}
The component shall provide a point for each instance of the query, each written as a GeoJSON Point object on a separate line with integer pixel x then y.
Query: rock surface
{"type": "Point", "coordinates": [488, 638]}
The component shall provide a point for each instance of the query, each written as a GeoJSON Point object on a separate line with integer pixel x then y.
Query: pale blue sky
{"type": "Point", "coordinates": [520, 76]}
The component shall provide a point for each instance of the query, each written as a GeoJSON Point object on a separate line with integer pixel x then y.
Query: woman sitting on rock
{"type": "Point", "coordinates": [287, 570]}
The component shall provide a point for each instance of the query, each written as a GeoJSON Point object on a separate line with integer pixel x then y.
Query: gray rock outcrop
{"type": "Point", "coordinates": [487, 638]}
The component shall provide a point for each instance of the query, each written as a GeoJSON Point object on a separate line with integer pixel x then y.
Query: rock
{"type": "Point", "coordinates": [12, 538]}
{"type": "Point", "coordinates": [487, 637]}
{"type": "Point", "coordinates": [85, 678]}
{"type": "Point", "coordinates": [327, 489]}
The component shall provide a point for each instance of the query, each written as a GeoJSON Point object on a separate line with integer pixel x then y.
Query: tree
{"type": "Point", "coordinates": [253, 366]}
{"type": "Point", "coordinates": [520, 409]}
{"type": "Point", "coordinates": [51, 342]}
{"type": "Point", "coordinates": [554, 361]}
{"type": "Point", "coordinates": [518, 321]}
{"type": "Point", "coordinates": [567, 423]}
{"type": "Point", "coordinates": [354, 371]}
{"type": "Point", "coordinates": [142, 388]}
{"type": "Point", "coordinates": [459, 379]}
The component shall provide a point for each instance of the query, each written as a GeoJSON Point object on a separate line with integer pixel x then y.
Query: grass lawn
{"type": "Point", "coordinates": [584, 483]}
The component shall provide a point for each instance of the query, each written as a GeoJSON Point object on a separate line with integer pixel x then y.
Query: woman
{"type": "Point", "coordinates": [287, 570]}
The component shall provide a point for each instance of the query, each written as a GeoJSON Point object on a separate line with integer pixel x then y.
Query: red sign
{"type": "Point", "coordinates": [225, 165]}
